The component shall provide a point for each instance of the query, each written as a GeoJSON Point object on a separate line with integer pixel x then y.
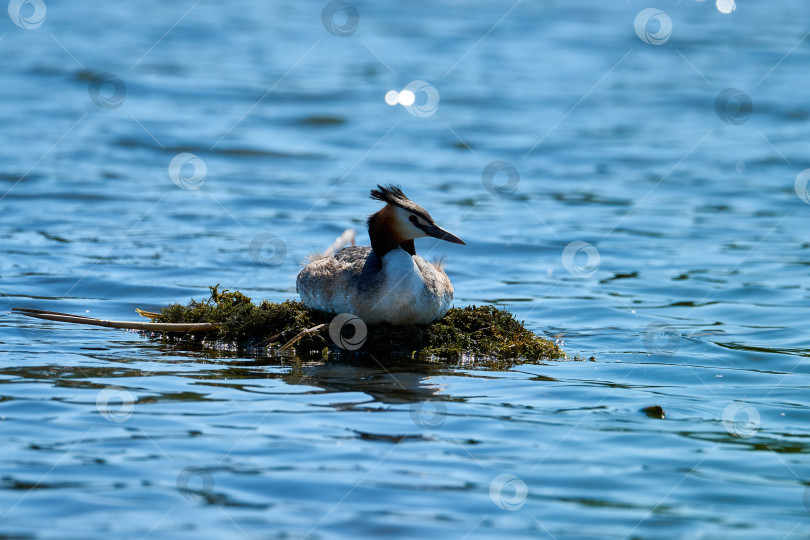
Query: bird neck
{"type": "Point", "coordinates": [384, 236]}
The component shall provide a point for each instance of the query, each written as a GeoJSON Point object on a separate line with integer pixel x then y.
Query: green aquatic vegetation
{"type": "Point", "coordinates": [480, 332]}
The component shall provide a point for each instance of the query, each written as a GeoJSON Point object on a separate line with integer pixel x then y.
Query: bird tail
{"type": "Point", "coordinates": [347, 237]}
{"type": "Point", "coordinates": [126, 325]}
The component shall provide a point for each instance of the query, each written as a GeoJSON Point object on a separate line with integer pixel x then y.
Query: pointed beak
{"type": "Point", "coordinates": [437, 232]}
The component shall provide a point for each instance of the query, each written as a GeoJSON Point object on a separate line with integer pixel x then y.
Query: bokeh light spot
{"type": "Point", "coordinates": [406, 98]}
{"type": "Point", "coordinates": [726, 6]}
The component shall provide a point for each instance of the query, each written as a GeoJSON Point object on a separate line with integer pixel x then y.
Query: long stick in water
{"type": "Point", "coordinates": [126, 325]}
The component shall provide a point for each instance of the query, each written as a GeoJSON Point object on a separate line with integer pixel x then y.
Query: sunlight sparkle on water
{"type": "Point", "coordinates": [406, 98]}
{"type": "Point", "coordinates": [726, 6]}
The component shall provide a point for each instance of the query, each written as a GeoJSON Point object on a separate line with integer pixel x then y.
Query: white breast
{"type": "Point", "coordinates": [410, 293]}
{"type": "Point", "coordinates": [407, 290]}
{"type": "Point", "coordinates": [401, 274]}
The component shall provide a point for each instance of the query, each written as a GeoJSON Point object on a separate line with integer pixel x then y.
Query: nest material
{"type": "Point", "coordinates": [478, 332]}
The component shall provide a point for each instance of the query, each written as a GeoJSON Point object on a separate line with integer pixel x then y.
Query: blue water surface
{"type": "Point", "coordinates": [630, 182]}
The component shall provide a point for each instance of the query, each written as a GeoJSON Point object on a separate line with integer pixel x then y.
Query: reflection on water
{"type": "Point", "coordinates": [628, 181]}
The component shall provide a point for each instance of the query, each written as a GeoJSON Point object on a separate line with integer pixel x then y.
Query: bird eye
{"type": "Point", "coordinates": [412, 219]}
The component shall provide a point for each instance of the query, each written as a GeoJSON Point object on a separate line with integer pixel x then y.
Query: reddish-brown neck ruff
{"type": "Point", "coordinates": [386, 234]}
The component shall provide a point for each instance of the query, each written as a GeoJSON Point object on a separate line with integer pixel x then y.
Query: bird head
{"type": "Point", "coordinates": [401, 221]}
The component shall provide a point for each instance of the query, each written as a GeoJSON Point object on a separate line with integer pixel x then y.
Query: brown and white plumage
{"type": "Point", "coordinates": [387, 282]}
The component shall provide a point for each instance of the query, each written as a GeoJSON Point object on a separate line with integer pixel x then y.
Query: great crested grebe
{"type": "Point", "coordinates": [387, 282]}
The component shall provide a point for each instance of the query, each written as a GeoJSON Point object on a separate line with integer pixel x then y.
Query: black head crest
{"type": "Point", "coordinates": [391, 194]}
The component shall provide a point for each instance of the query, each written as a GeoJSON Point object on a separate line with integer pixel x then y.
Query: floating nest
{"type": "Point", "coordinates": [477, 332]}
